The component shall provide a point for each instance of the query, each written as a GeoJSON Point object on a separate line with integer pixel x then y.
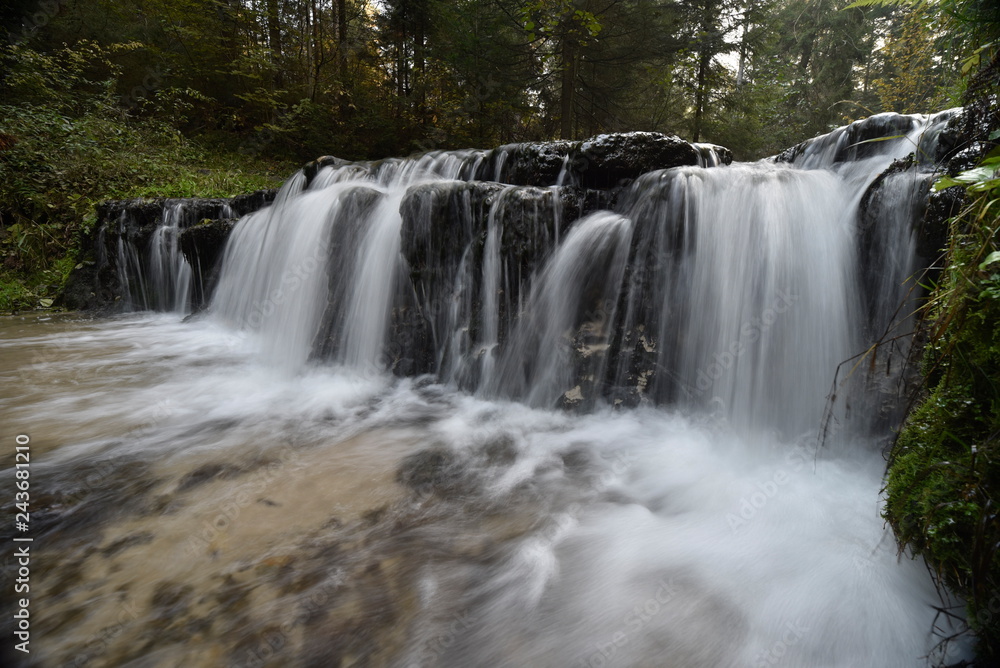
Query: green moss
{"type": "Point", "coordinates": [14, 296]}
{"type": "Point", "coordinates": [944, 472]}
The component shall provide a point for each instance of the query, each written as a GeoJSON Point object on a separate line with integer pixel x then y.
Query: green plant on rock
{"type": "Point", "coordinates": [944, 468]}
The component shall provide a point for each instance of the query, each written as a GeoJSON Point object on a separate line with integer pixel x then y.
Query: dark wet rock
{"type": "Point", "coordinates": [591, 172]}
{"type": "Point", "coordinates": [444, 232]}
{"type": "Point", "coordinates": [929, 214]}
{"type": "Point", "coordinates": [607, 160]}
{"type": "Point", "coordinates": [88, 289]}
{"type": "Point", "coordinates": [853, 142]}
{"type": "Point", "coordinates": [941, 206]}
{"type": "Point", "coordinates": [436, 469]}
{"type": "Point", "coordinates": [207, 473]}
{"type": "Point", "coordinates": [126, 542]}
{"type": "Point", "coordinates": [713, 155]}
{"type": "Point", "coordinates": [861, 137]}
{"type": "Point", "coordinates": [311, 169]}
{"type": "Point", "coordinates": [241, 205]}
{"type": "Point", "coordinates": [203, 243]}
{"type": "Point", "coordinates": [128, 226]}
{"type": "Point", "coordinates": [604, 161]}
{"type": "Point", "coordinates": [203, 246]}
{"type": "Point", "coordinates": [527, 164]}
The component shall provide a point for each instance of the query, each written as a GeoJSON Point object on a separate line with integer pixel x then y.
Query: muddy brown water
{"type": "Point", "coordinates": [190, 506]}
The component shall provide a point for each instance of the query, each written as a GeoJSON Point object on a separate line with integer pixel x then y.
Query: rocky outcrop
{"type": "Point", "coordinates": [608, 160]}
{"type": "Point", "coordinates": [108, 276]}
{"type": "Point", "coordinates": [202, 245]}
{"type": "Point", "coordinates": [528, 164]}
{"type": "Point", "coordinates": [590, 174]}
{"type": "Point", "coordinates": [604, 161]}
{"type": "Point", "coordinates": [445, 230]}
{"type": "Point", "coordinates": [862, 138]}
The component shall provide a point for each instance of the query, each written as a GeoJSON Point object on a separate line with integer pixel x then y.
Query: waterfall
{"type": "Point", "coordinates": [586, 268]}
{"type": "Point", "coordinates": [736, 287]}
{"type": "Point", "coordinates": [745, 290]}
{"type": "Point", "coordinates": [569, 404]}
{"type": "Point", "coordinates": [152, 271]}
{"type": "Point", "coordinates": [170, 286]}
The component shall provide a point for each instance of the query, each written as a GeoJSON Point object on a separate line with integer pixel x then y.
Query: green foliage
{"type": "Point", "coordinates": [69, 145]}
{"type": "Point", "coordinates": [181, 97]}
{"type": "Point", "coordinates": [945, 466]}
{"type": "Point", "coordinates": [552, 18]}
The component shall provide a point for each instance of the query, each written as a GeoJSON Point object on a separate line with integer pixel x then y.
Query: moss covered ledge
{"type": "Point", "coordinates": [943, 481]}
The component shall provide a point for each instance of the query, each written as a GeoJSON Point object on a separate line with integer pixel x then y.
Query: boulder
{"type": "Point", "coordinates": [608, 160]}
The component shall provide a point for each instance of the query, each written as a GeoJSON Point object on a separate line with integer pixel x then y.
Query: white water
{"type": "Point", "coordinates": [713, 532]}
{"type": "Point", "coordinates": [681, 542]}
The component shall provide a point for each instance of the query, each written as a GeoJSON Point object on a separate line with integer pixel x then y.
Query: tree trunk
{"type": "Point", "coordinates": [342, 40]}
{"type": "Point", "coordinates": [274, 28]}
{"type": "Point", "coordinates": [568, 97]}
{"type": "Point", "coordinates": [419, 59]}
{"type": "Point", "coordinates": [705, 54]}
{"type": "Point", "coordinates": [274, 40]}
{"type": "Point", "coordinates": [317, 63]}
{"type": "Point", "coordinates": [744, 49]}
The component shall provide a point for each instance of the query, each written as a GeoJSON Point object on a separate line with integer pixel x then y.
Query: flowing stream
{"type": "Point", "coordinates": [611, 456]}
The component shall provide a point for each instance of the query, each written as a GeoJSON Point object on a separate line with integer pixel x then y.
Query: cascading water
{"type": "Point", "coordinates": [537, 365]}
{"type": "Point", "coordinates": [153, 272]}
{"type": "Point", "coordinates": [171, 273]}
{"type": "Point", "coordinates": [736, 287]}
{"type": "Point", "coordinates": [308, 508]}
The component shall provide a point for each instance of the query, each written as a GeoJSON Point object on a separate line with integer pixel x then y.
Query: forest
{"type": "Point", "coordinates": [116, 98]}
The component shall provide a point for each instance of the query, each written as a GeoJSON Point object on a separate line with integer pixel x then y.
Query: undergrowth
{"type": "Point", "coordinates": [944, 468]}
{"type": "Point", "coordinates": [67, 144]}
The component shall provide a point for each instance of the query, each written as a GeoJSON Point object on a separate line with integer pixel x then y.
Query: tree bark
{"type": "Point", "coordinates": [274, 41]}
{"type": "Point", "coordinates": [342, 39]}
{"type": "Point", "coordinates": [568, 97]}
{"type": "Point", "coordinates": [705, 54]}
